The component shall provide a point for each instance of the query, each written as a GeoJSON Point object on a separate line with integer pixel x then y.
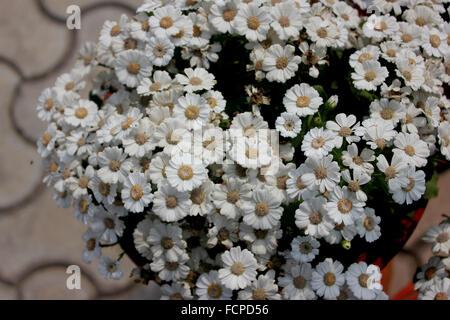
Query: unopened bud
{"type": "Point", "coordinates": [346, 244]}
{"type": "Point", "coordinates": [333, 101]}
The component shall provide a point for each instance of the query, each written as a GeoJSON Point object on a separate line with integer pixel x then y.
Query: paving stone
{"type": "Point", "coordinates": [25, 105]}
{"type": "Point", "coordinates": [39, 233]}
{"type": "Point", "coordinates": [8, 292]}
{"type": "Point", "coordinates": [30, 39]}
{"type": "Point", "coordinates": [16, 184]}
{"type": "Point", "coordinates": [50, 283]}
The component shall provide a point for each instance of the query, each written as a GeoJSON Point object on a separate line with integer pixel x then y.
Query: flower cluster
{"type": "Point", "coordinates": [217, 124]}
{"type": "Point", "coordinates": [433, 280]}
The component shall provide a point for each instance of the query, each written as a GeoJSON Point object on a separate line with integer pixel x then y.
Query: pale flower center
{"type": "Point", "coordinates": [299, 183]}
{"type": "Point", "coordinates": [167, 243]}
{"type": "Point", "coordinates": [363, 280]}
{"type": "Point", "coordinates": [237, 268]}
{"type": "Point", "coordinates": [46, 138]}
{"type": "Point", "coordinates": [345, 132]}
{"type": "Point", "coordinates": [320, 173]}
{"type": "Point", "coordinates": [282, 63]}
{"type": "Point", "coordinates": [83, 206]}
{"type": "Point", "coordinates": [289, 125]}
{"type": "Point", "coordinates": [159, 51]}
{"type": "Point", "coordinates": [305, 247]}
{"type": "Point", "coordinates": [171, 202]}
{"type": "Point", "coordinates": [155, 86]}
{"type": "Point", "coordinates": [114, 165]}
{"type": "Point", "coordinates": [130, 44]}
{"type": "Point", "coordinates": [406, 37]}
{"type": "Point", "coordinates": [253, 23]}
{"type": "Point", "coordinates": [369, 223]}
{"type": "Point", "coordinates": [133, 68]}
{"type": "Point", "coordinates": [409, 150]}
{"type": "Point", "coordinates": [261, 209]}
{"type": "Point", "coordinates": [228, 15]}
{"type": "Point", "coordinates": [318, 142]}
{"type": "Point", "coordinates": [195, 81]}
{"type": "Point", "coordinates": [370, 75]}
{"type": "Point", "coordinates": [70, 86]}
{"type": "Point", "coordinates": [166, 22]}
{"type": "Point", "coordinates": [380, 26]}
{"type": "Point", "coordinates": [127, 123]}
{"type": "Point", "coordinates": [345, 205]}
{"type": "Point", "coordinates": [141, 138]}
{"type": "Point", "coordinates": [103, 189]}
{"type": "Point", "coordinates": [251, 153]}
{"type": "Point", "coordinates": [233, 196]}
{"type": "Point", "coordinates": [171, 266]}
{"type": "Point", "coordinates": [81, 113]}
{"type": "Point", "coordinates": [407, 75]}
{"type": "Point", "coordinates": [259, 294]}
{"type": "Point", "coordinates": [198, 196]}
{"type": "Point", "coordinates": [281, 182]}
{"type": "Point", "coordinates": [353, 186]}
{"type": "Point", "coordinates": [136, 192]}
{"type": "Point", "coordinates": [192, 112]}
{"type": "Point", "coordinates": [214, 291]}
{"type": "Point", "coordinates": [365, 57]}
{"type": "Point", "coordinates": [435, 40]}
{"type": "Point", "coordinates": [390, 172]}
{"type": "Point", "coordinates": [387, 114]}
{"type": "Point", "coordinates": [322, 32]}
{"type": "Point", "coordinates": [329, 279]}
{"type": "Point", "coordinates": [410, 185]}
{"type": "Point", "coordinates": [358, 160]}
{"type": "Point", "coordinates": [48, 105]}
{"type": "Point", "coordinates": [381, 143]}
{"type": "Point", "coordinates": [212, 102]}
{"type": "Point", "coordinates": [315, 218]}
{"type": "Point", "coordinates": [284, 21]}
{"type": "Point", "coordinates": [185, 172]}
{"type": "Point", "coordinates": [299, 282]}
{"type": "Point", "coordinates": [83, 182]}
{"type": "Point", "coordinates": [115, 31]}
{"type": "Point", "coordinates": [223, 234]}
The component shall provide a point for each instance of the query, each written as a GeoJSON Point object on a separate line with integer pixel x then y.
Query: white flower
{"type": "Point", "coordinates": [347, 14]}
{"type": "Point", "coordinates": [369, 75]}
{"type": "Point", "coordinates": [302, 100]}
{"type": "Point", "coordinates": [47, 143]}
{"type": "Point", "coordinates": [285, 20]}
{"type": "Point", "coordinates": [139, 141]}
{"type": "Point", "coordinates": [173, 136]}
{"type": "Point", "coordinates": [368, 225]}
{"type": "Point", "coordinates": [296, 283]}
{"type": "Point", "coordinates": [280, 63]}
{"type": "Point", "coordinates": [230, 197]}
{"type": "Point", "coordinates": [171, 270]}
{"type": "Point", "coordinates": [408, 35]}
{"type": "Point", "coordinates": [318, 142]}
{"type": "Point", "coordinates": [252, 21]}
{"type": "Point", "coordinates": [250, 153]}
{"type": "Point", "coordinates": [393, 170]}
{"type": "Point", "coordinates": [322, 32]}
{"type": "Point", "coordinates": [131, 67]}
{"type": "Point", "coordinates": [176, 291]}
{"type": "Point", "coordinates": [169, 204]}
{"type": "Point", "coordinates": [136, 192]}
{"type": "Point", "coordinates": [79, 186]}
{"type": "Point", "coordinates": [264, 288]}
{"type": "Point", "coordinates": [93, 249]}
{"type": "Point", "coordinates": [215, 100]}
{"type": "Point", "coordinates": [289, 125]}
{"type": "Point", "coordinates": [185, 172]}
{"type": "Point", "coordinates": [161, 81]}
{"type": "Point", "coordinates": [432, 111]}
{"type": "Point", "coordinates": [109, 268]}
{"type": "Point", "coordinates": [430, 273]}
{"type": "Point", "coordinates": [444, 138]}
{"type": "Point", "coordinates": [166, 21]}
{"type": "Point", "coordinates": [209, 287]}
{"type": "Point", "coordinates": [312, 217]}
{"type": "Point", "coordinates": [224, 232]}
{"type": "Point", "coordinates": [82, 113]}
{"type": "Point", "coordinates": [166, 240]}
{"type": "Point", "coordinates": [411, 148]}
{"type": "Point", "coordinates": [296, 187]}
{"type": "Point", "coordinates": [112, 30]}
{"type": "Point", "coordinates": [239, 268]}
{"type": "Point", "coordinates": [410, 72]}
{"type": "Point", "coordinates": [313, 56]}
{"type": "Point", "coordinates": [140, 235]}
{"type": "Point", "coordinates": [196, 79]}
{"type": "Point", "coordinates": [323, 173]}
{"type": "Point", "coordinates": [378, 133]}
{"type": "Point", "coordinates": [193, 110]}
{"type": "Point", "coordinates": [159, 51]}
{"type": "Point", "coordinates": [387, 110]}
{"type": "Point", "coordinates": [327, 279]}
{"type": "Point", "coordinates": [439, 236]}
{"type": "Point", "coordinates": [434, 42]}
{"type": "Point", "coordinates": [114, 167]}
{"type": "Point", "coordinates": [46, 105]}
{"type": "Point", "coordinates": [363, 280]}
{"type": "Point", "coordinates": [350, 158]}
{"type": "Point", "coordinates": [343, 206]}
{"type": "Point", "coordinates": [221, 17]}
{"type": "Point", "coordinates": [264, 210]}
{"type": "Point", "coordinates": [379, 27]}
{"type": "Point", "coordinates": [368, 53]}
{"type": "Point", "coordinates": [304, 249]}
{"type": "Point", "coordinates": [107, 225]}
{"type": "Point", "coordinates": [261, 242]}
{"type": "Point", "coordinates": [439, 291]}
{"type": "Point", "coordinates": [344, 129]}
{"type": "Point", "coordinates": [408, 187]}
{"type": "Point", "coordinates": [359, 178]}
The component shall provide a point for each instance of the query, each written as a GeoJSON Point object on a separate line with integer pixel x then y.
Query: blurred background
{"type": "Point", "coordinates": [38, 240]}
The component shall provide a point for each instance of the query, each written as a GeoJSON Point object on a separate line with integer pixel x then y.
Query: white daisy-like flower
{"type": "Point", "coordinates": [171, 270]}
{"type": "Point", "coordinates": [387, 110]}
{"type": "Point", "coordinates": [261, 242]}
{"type": "Point", "coordinates": [408, 187]}
{"type": "Point", "coordinates": [263, 211]}
{"type": "Point", "coordinates": [113, 166]}
{"type": "Point", "coordinates": [46, 144]}
{"type": "Point", "coordinates": [363, 280]}
{"type": "Point", "coordinates": [82, 113]}
{"type": "Point", "coordinates": [159, 50]}
{"type": "Point", "coordinates": [380, 26]}
{"type": "Point", "coordinates": [280, 63]}
{"type": "Point", "coordinates": [312, 217]}
{"type": "Point", "coordinates": [250, 153]}
{"type": "Point", "coordinates": [343, 206]}
{"type": "Point", "coordinates": [196, 79]}
{"type": "Point", "coordinates": [136, 192]}
{"type": "Point", "coordinates": [112, 30]}
{"type": "Point", "coordinates": [328, 278]}
{"type": "Point", "coordinates": [296, 283]}
{"type": "Point", "coordinates": [444, 138]}
{"type": "Point", "coordinates": [347, 14]}
{"type": "Point", "coordinates": [411, 148]}
{"type": "Point", "coordinates": [414, 118]}
{"type": "Point", "coordinates": [304, 249]}
{"type": "Point", "coordinates": [439, 236]}
{"type": "Point", "coordinates": [313, 56]}
{"type": "Point", "coordinates": [161, 81]}
{"type": "Point", "coordinates": [169, 204]}
{"type": "Point", "coordinates": [263, 288]}
{"type": "Point", "coordinates": [322, 32]}
{"type": "Point", "coordinates": [230, 197]}
{"type": "Point", "coordinates": [107, 225]}
{"type": "Point", "coordinates": [318, 142]}
{"type": "Point", "coordinates": [47, 104]}
{"type": "Point", "coordinates": [215, 100]}
{"type": "Point", "coordinates": [224, 232]}
{"type": "Point", "coordinates": [368, 53]}
{"type": "Point", "coordinates": [239, 268]}
{"type": "Point", "coordinates": [434, 42]}
{"type": "Point", "coordinates": [344, 128]}
{"type": "Point", "coordinates": [377, 133]}
{"type": "Point", "coordinates": [221, 17]}
{"type": "Point", "coordinates": [252, 21]}
{"type": "Point", "coordinates": [209, 287]}
{"type": "Point", "coordinates": [369, 75]}
{"type": "Point", "coordinates": [393, 170]}
{"type": "Point", "coordinates": [201, 199]}
{"type": "Point", "coordinates": [354, 184]}
{"type": "Point", "coordinates": [166, 240]}
{"type": "Point", "coordinates": [83, 208]}
{"type": "Point", "coordinates": [323, 173]}
{"type": "Point", "coordinates": [173, 136]}
{"type": "Point", "coordinates": [432, 111]}
{"type": "Point", "coordinates": [408, 35]}
{"type": "Point", "coordinates": [166, 21]}
{"type": "Point", "coordinates": [68, 84]}
{"type": "Point", "coordinates": [429, 273]}
{"type": "Point", "coordinates": [439, 291]}
{"type": "Point", "coordinates": [140, 235]}
{"type": "Point", "coordinates": [289, 125]}
{"type": "Point", "coordinates": [109, 268]}
{"type": "Point", "coordinates": [368, 226]}
{"type": "Point", "coordinates": [139, 141]}
{"type": "Point", "coordinates": [341, 231]}
{"type": "Point", "coordinates": [185, 172]}
{"type": "Point", "coordinates": [176, 291]}
{"type": "Point", "coordinates": [248, 125]}
{"type": "Point", "coordinates": [193, 110]}
{"type": "Point", "coordinates": [302, 100]}
{"type": "Point", "coordinates": [296, 187]}
{"type": "Point", "coordinates": [285, 20]}
{"type": "Point", "coordinates": [92, 249]}
{"type": "Point", "coordinates": [352, 159]}
{"type": "Point", "coordinates": [79, 185]}
{"type": "Point", "coordinates": [103, 192]}
{"type": "Point", "coordinates": [131, 67]}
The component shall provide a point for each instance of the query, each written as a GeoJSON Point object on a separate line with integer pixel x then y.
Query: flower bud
{"type": "Point", "coordinates": [346, 244]}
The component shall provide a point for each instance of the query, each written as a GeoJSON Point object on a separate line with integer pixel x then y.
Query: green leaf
{"type": "Point", "coordinates": [432, 189]}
